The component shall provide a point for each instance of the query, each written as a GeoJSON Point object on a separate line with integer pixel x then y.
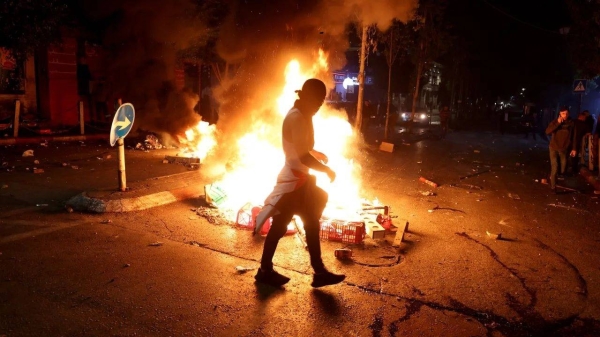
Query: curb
{"type": "Point", "coordinates": [590, 178]}
{"type": "Point", "coordinates": [83, 203]}
{"type": "Point", "coordinates": [30, 140]}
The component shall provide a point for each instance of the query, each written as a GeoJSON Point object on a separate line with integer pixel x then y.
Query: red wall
{"type": "Point", "coordinates": [62, 83]}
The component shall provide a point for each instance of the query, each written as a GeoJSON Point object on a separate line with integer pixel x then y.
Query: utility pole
{"type": "Point", "coordinates": [361, 78]}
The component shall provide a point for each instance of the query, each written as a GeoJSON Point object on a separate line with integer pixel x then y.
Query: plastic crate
{"type": "Point", "coordinates": [344, 231]}
{"type": "Point", "coordinates": [246, 217]}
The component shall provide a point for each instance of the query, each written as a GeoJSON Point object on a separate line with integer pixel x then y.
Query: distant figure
{"type": "Point", "coordinates": [393, 119]}
{"type": "Point", "coordinates": [444, 120]}
{"type": "Point", "coordinates": [296, 191]}
{"type": "Point", "coordinates": [529, 119]}
{"type": "Point", "coordinates": [581, 128]}
{"type": "Point", "coordinates": [503, 121]}
{"type": "Point", "coordinates": [561, 131]}
{"type": "Point", "coordinates": [368, 114]}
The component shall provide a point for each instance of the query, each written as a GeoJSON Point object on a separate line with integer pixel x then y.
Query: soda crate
{"type": "Point", "coordinates": [344, 231]}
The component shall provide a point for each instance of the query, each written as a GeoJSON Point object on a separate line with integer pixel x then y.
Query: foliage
{"type": "Point", "coordinates": [584, 36]}
{"type": "Point", "coordinates": [26, 25]}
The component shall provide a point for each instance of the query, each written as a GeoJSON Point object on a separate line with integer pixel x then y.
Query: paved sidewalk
{"type": "Point", "coordinates": [140, 195]}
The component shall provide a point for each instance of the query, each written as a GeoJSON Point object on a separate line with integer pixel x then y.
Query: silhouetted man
{"type": "Point", "coordinates": [444, 120]}
{"type": "Point", "coordinates": [561, 131]}
{"type": "Point", "coordinates": [296, 191]}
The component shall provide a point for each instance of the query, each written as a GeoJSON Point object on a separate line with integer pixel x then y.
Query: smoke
{"type": "Point", "coordinates": [143, 41]}
{"type": "Point", "coordinates": [259, 37]}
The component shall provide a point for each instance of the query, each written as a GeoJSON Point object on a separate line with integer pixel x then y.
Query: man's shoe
{"type": "Point", "coordinates": [271, 278]}
{"type": "Point", "coordinates": [326, 278]}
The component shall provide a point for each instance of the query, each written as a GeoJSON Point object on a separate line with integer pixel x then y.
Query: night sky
{"type": "Point", "coordinates": [513, 44]}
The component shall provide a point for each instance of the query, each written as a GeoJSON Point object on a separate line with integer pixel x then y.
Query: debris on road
{"type": "Point", "coordinates": [467, 186]}
{"type": "Point", "coordinates": [4, 186]}
{"type": "Point", "coordinates": [476, 151]}
{"type": "Point", "coordinates": [152, 142]}
{"type": "Point", "coordinates": [36, 162]}
{"type": "Point", "coordinates": [428, 182]}
{"type": "Point", "coordinates": [400, 235]}
{"type": "Point", "coordinates": [544, 181]}
{"type": "Point", "coordinates": [69, 209]}
{"type": "Point", "coordinates": [106, 156]}
{"type": "Point", "coordinates": [156, 244]}
{"type": "Point", "coordinates": [474, 174]}
{"type": "Point", "coordinates": [65, 164]}
{"type": "Point", "coordinates": [38, 170]}
{"type": "Point", "coordinates": [428, 194]}
{"type": "Point", "coordinates": [165, 161]}
{"type": "Point", "coordinates": [126, 265]}
{"type": "Point", "coordinates": [343, 253]}
{"type": "Point", "coordinates": [106, 221]}
{"type": "Point", "coordinates": [568, 207]}
{"type": "Point", "coordinates": [242, 270]}
{"type": "Point", "coordinates": [41, 205]}
{"type": "Point", "coordinates": [495, 236]}
{"type": "Point", "coordinates": [28, 153]}
{"type": "Point", "coordinates": [514, 196]}
{"type": "Point", "coordinates": [197, 244]}
{"type": "Point", "coordinates": [75, 167]}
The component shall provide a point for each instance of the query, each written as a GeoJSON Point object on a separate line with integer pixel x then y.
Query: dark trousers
{"type": "Point", "coordinates": [554, 165]}
{"type": "Point", "coordinates": [308, 202]}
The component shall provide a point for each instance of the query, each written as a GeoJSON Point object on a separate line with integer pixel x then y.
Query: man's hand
{"type": "Point", "coordinates": [319, 156]}
{"type": "Point", "coordinates": [560, 119]}
{"type": "Point", "coordinates": [573, 153]}
{"type": "Point", "coordinates": [330, 174]}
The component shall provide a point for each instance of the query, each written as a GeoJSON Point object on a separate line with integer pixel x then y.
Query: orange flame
{"type": "Point", "coordinates": [253, 175]}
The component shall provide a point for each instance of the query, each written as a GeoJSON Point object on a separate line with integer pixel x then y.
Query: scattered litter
{"type": "Point", "coordinates": [197, 244]}
{"type": "Point", "coordinates": [428, 194]}
{"type": "Point", "coordinates": [69, 209]}
{"type": "Point", "coordinates": [514, 196]}
{"type": "Point", "coordinates": [65, 164]}
{"type": "Point", "coordinates": [476, 151]}
{"type": "Point", "coordinates": [27, 169]}
{"type": "Point", "coordinates": [474, 174]}
{"type": "Point", "coordinates": [37, 170]}
{"type": "Point", "coordinates": [495, 236]}
{"type": "Point", "coordinates": [126, 265]}
{"type": "Point", "coordinates": [28, 153]}
{"type": "Point", "coordinates": [41, 205]}
{"type": "Point", "coordinates": [156, 244]}
{"type": "Point", "coordinates": [478, 199]}
{"type": "Point", "coordinates": [428, 182]}
{"type": "Point", "coordinates": [36, 162]}
{"type": "Point", "coordinates": [419, 162]}
{"type": "Point", "coordinates": [343, 253]}
{"type": "Point", "coordinates": [568, 207]}
{"type": "Point", "coordinates": [75, 167]}
{"type": "Point", "coordinates": [193, 209]}
{"type": "Point", "coordinates": [45, 144]}
{"type": "Point", "coordinates": [242, 270]}
{"type": "Point", "coordinates": [4, 164]}
{"type": "Point", "coordinates": [4, 186]}
{"type": "Point", "coordinates": [467, 186]}
{"type": "Point", "coordinates": [107, 156]}
{"type": "Point", "coordinates": [152, 142]}
{"type": "Point", "coordinates": [165, 161]}
{"type": "Point", "coordinates": [138, 146]}
{"type": "Point", "coordinates": [106, 221]}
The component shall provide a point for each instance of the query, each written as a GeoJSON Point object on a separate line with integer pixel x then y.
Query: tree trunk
{"type": "Point", "coordinates": [416, 94]}
{"type": "Point", "coordinates": [389, 98]}
{"type": "Point", "coordinates": [361, 79]}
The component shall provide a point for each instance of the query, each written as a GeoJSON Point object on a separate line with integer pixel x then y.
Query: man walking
{"type": "Point", "coordinates": [561, 131]}
{"type": "Point", "coordinates": [296, 191]}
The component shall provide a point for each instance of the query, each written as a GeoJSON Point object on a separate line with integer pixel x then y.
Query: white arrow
{"type": "Point", "coordinates": [123, 124]}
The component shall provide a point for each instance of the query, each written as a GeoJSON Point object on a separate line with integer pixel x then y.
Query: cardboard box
{"type": "Point", "coordinates": [374, 230]}
{"type": "Point", "coordinates": [387, 147]}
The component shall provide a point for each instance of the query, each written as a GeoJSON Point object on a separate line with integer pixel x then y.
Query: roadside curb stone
{"type": "Point", "coordinates": [83, 203]}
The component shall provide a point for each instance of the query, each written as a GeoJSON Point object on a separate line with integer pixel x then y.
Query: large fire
{"type": "Point", "coordinates": [259, 158]}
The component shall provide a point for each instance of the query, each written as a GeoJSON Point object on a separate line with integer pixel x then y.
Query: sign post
{"type": "Point", "coordinates": [121, 125]}
{"type": "Point", "coordinates": [579, 87]}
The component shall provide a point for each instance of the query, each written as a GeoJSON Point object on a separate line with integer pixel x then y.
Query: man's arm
{"type": "Point", "coordinates": [552, 126]}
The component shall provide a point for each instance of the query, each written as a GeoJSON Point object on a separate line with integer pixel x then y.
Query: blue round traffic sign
{"type": "Point", "coordinates": [122, 122]}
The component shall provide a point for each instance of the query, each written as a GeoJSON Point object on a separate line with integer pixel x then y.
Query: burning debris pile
{"type": "Point", "coordinates": [245, 172]}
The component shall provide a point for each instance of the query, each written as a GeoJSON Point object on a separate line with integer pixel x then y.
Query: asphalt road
{"type": "Point", "coordinates": [72, 274]}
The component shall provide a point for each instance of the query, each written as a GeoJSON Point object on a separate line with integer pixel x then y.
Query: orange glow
{"type": "Point", "coordinates": [259, 157]}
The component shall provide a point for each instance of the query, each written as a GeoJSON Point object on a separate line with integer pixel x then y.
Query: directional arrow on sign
{"type": "Point", "coordinates": [123, 124]}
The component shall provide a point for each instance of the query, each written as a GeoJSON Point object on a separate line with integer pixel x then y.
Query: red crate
{"type": "Point", "coordinates": [246, 217]}
{"type": "Point", "coordinates": [344, 231]}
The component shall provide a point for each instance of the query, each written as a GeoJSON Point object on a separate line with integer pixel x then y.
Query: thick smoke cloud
{"type": "Point", "coordinates": [261, 36]}
{"type": "Point", "coordinates": [142, 41]}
